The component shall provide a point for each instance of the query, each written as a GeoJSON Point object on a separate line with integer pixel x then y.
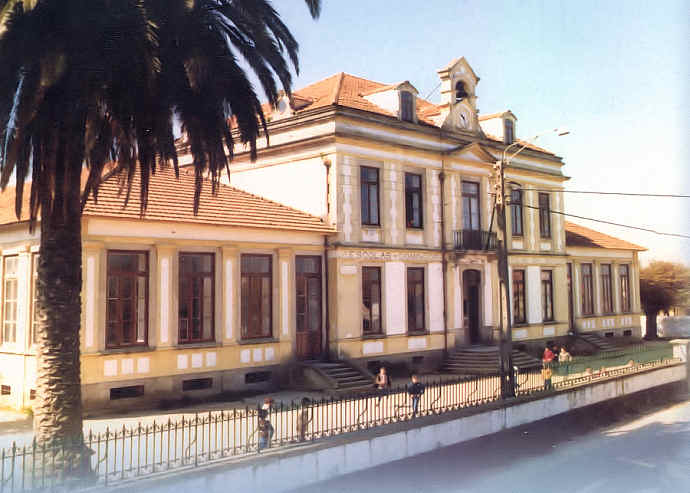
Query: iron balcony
{"type": "Point", "coordinates": [475, 239]}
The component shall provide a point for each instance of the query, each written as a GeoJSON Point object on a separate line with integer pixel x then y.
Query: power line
{"type": "Point", "coordinates": [613, 193]}
{"type": "Point", "coordinates": [612, 223]}
{"type": "Point", "coordinates": [432, 91]}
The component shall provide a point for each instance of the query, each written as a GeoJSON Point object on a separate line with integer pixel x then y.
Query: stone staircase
{"type": "Point", "coordinates": [602, 344]}
{"type": "Point", "coordinates": [340, 376]}
{"type": "Point", "coordinates": [481, 360]}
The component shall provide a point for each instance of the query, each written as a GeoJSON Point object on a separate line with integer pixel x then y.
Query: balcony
{"type": "Point", "coordinates": [474, 239]}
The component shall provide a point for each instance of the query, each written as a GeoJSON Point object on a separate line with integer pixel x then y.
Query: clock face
{"type": "Point", "coordinates": [463, 120]}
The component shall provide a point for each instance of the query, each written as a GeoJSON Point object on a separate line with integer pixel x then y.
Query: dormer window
{"type": "Point", "coordinates": [508, 131]}
{"type": "Point", "coordinates": [406, 107]}
{"type": "Point", "coordinates": [460, 92]}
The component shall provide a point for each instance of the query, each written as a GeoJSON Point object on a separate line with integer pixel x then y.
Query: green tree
{"type": "Point", "coordinates": [662, 285]}
{"type": "Point", "coordinates": [84, 83]}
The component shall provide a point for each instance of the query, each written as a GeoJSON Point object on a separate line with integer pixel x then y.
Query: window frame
{"type": "Point", "coordinates": [413, 284]}
{"type": "Point", "coordinates": [301, 282]}
{"type": "Point", "coordinates": [544, 215]}
{"type": "Point", "coordinates": [547, 309]}
{"type": "Point", "coordinates": [516, 216]}
{"type": "Point", "coordinates": [368, 285]}
{"type": "Point", "coordinates": [244, 330]}
{"type": "Point", "coordinates": [606, 289]}
{"type": "Point", "coordinates": [471, 195]}
{"type": "Point", "coordinates": [519, 297]}
{"type": "Point", "coordinates": [187, 277]}
{"type": "Point", "coordinates": [364, 181]}
{"type": "Point", "coordinates": [508, 136]}
{"type": "Point", "coordinates": [410, 192]}
{"type": "Point", "coordinates": [4, 301]}
{"type": "Point", "coordinates": [626, 305]}
{"type": "Point", "coordinates": [407, 112]}
{"type": "Point", "coordinates": [587, 290]}
{"type": "Point", "coordinates": [146, 274]}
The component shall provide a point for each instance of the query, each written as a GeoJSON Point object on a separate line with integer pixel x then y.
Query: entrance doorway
{"type": "Point", "coordinates": [471, 281]}
{"type": "Point", "coordinates": [308, 309]}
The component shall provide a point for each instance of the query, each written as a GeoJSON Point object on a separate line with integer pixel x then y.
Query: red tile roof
{"type": "Point", "coordinates": [579, 236]}
{"type": "Point", "coordinates": [170, 199]}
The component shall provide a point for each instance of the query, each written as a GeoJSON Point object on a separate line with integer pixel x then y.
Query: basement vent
{"type": "Point", "coordinates": [627, 333]}
{"type": "Point", "coordinates": [417, 360]}
{"type": "Point", "coordinates": [257, 376]}
{"type": "Point", "coordinates": [374, 366]}
{"type": "Point", "coordinates": [608, 334]}
{"type": "Point", "coordinates": [32, 394]}
{"type": "Point", "coordinates": [197, 384]}
{"type": "Point", "coordinates": [126, 392]}
{"type": "Point", "coordinates": [5, 390]}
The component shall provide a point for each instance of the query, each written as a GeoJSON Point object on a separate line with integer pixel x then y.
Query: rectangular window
{"type": "Point", "coordinates": [371, 300]}
{"type": "Point", "coordinates": [606, 289]}
{"type": "Point", "coordinates": [544, 215]}
{"type": "Point", "coordinates": [509, 133]}
{"type": "Point", "coordinates": [34, 299]}
{"type": "Point", "coordinates": [547, 295]}
{"type": "Point", "coordinates": [369, 181]}
{"type": "Point", "coordinates": [197, 286]}
{"type": "Point", "coordinates": [516, 212]}
{"type": "Point", "coordinates": [587, 291]}
{"type": "Point", "coordinates": [415, 299]}
{"type": "Point", "coordinates": [406, 106]}
{"type": "Point", "coordinates": [519, 313]}
{"type": "Point", "coordinates": [413, 200]}
{"type": "Point", "coordinates": [624, 277]}
{"type": "Point", "coordinates": [257, 296]}
{"type": "Point", "coordinates": [308, 293]}
{"type": "Point", "coordinates": [10, 270]}
{"type": "Point", "coordinates": [127, 299]}
{"type": "Point", "coordinates": [470, 206]}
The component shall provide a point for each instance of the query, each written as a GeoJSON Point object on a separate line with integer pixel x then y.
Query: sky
{"type": "Point", "coordinates": [615, 73]}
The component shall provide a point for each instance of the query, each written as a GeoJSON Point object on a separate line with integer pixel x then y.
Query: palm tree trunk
{"type": "Point", "coordinates": [58, 411]}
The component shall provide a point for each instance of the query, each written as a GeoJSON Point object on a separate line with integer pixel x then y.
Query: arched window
{"type": "Point", "coordinates": [406, 107]}
{"type": "Point", "coordinates": [460, 91]}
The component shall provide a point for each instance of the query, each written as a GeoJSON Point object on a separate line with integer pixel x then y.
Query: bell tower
{"type": "Point", "coordinates": [458, 97]}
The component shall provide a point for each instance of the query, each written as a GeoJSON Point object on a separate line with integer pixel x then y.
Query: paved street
{"type": "Point", "coordinates": [584, 452]}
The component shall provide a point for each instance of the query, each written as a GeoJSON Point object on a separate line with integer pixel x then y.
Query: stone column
{"type": "Point", "coordinates": [230, 295]}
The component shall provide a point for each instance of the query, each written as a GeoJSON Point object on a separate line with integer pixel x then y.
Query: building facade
{"type": "Point", "coordinates": [172, 304]}
{"type": "Point", "coordinates": [408, 186]}
{"type": "Point", "coordinates": [366, 232]}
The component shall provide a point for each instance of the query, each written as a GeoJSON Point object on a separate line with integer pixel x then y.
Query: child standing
{"type": "Point", "coordinates": [416, 390]}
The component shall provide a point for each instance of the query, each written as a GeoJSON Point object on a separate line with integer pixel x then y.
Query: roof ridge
{"type": "Point", "coordinates": [336, 89]}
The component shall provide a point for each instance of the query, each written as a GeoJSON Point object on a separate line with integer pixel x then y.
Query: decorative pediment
{"type": "Point", "coordinates": [474, 152]}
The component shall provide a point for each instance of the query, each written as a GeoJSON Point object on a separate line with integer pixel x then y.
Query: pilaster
{"type": "Point", "coordinates": [285, 297]}
{"type": "Point", "coordinates": [93, 297]}
{"type": "Point", "coordinates": [166, 280]}
{"type": "Point", "coordinates": [229, 326]}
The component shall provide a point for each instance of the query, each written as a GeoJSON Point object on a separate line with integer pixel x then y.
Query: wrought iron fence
{"type": "Point", "coordinates": [122, 454]}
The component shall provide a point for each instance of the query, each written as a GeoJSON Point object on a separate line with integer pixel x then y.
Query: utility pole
{"type": "Point", "coordinates": [506, 344]}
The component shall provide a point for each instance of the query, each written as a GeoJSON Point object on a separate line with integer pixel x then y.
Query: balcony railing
{"type": "Point", "coordinates": [475, 239]}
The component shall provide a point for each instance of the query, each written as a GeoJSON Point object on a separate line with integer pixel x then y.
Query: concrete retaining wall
{"type": "Point", "coordinates": [281, 470]}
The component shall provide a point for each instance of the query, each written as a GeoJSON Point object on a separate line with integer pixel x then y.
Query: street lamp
{"type": "Point", "coordinates": [507, 372]}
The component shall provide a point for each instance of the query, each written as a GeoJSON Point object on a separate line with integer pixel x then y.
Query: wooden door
{"type": "Point", "coordinates": [308, 300]}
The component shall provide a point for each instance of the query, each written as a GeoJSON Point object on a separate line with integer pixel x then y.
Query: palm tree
{"type": "Point", "coordinates": [91, 82]}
